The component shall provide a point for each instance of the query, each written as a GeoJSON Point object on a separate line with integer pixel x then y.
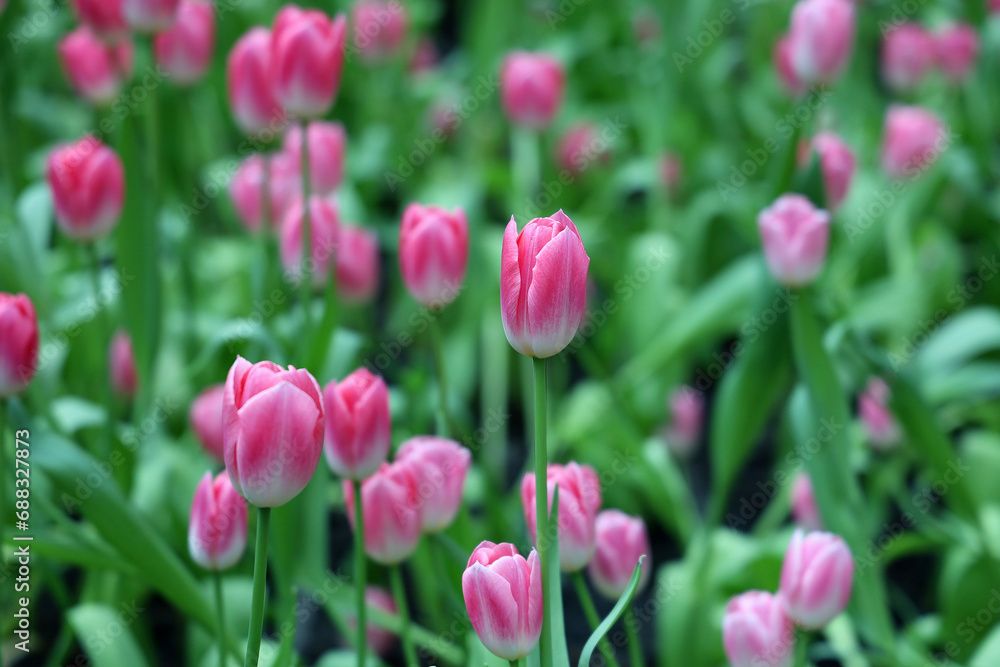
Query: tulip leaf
{"type": "Point", "coordinates": [613, 616]}
{"type": "Point", "coordinates": [105, 634]}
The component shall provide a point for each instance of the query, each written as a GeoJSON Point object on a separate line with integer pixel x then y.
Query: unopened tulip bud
{"type": "Point", "coordinates": [621, 540]}
{"type": "Point", "coordinates": [439, 466]}
{"type": "Point", "coordinates": [756, 631]}
{"type": "Point", "coordinates": [379, 27]}
{"type": "Point", "coordinates": [425, 56]}
{"type": "Point", "coordinates": [671, 168]}
{"type": "Point", "coordinates": [957, 49]}
{"type": "Point", "coordinates": [914, 138]}
{"type": "Point", "coordinates": [217, 533]}
{"type": "Point", "coordinates": [205, 416]}
{"type": "Point", "coordinates": [324, 234]}
{"type": "Point", "coordinates": [94, 68]}
{"type": "Point", "coordinates": [359, 426]}
{"type": "Point", "coordinates": [105, 17]}
{"type": "Point", "coordinates": [579, 502]}
{"type": "Point", "coordinates": [836, 162]}
{"type": "Point", "coordinates": [390, 511]}
{"type": "Point", "coordinates": [782, 59]}
{"type": "Point", "coordinates": [908, 55]}
{"type": "Point", "coordinates": [795, 235]}
{"type": "Point", "coordinates": [358, 265]}
{"type": "Point", "coordinates": [378, 638]}
{"type": "Point", "coordinates": [804, 508]}
{"type": "Point", "coordinates": [87, 180]}
{"type": "Point", "coordinates": [433, 253]}
{"type": "Point", "coordinates": [687, 408]}
{"type": "Point", "coordinates": [150, 15]}
{"type": "Point", "coordinates": [531, 85]}
{"type": "Point", "coordinates": [121, 365]}
{"type": "Point", "coordinates": [248, 80]}
{"type": "Point", "coordinates": [327, 146]}
{"type": "Point", "coordinates": [185, 49]}
{"type": "Point", "coordinates": [307, 48]}
{"type": "Point", "coordinates": [816, 578]}
{"type": "Point", "coordinates": [873, 408]}
{"type": "Point", "coordinates": [821, 38]}
{"type": "Point", "coordinates": [580, 147]}
{"type": "Point", "coordinates": [246, 191]}
{"type": "Point", "coordinates": [19, 352]}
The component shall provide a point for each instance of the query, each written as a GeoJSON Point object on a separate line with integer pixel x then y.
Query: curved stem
{"type": "Point", "coordinates": [634, 645]}
{"type": "Point", "coordinates": [360, 574]}
{"type": "Point", "coordinates": [542, 509]}
{"type": "Point", "coordinates": [220, 609]}
{"type": "Point", "coordinates": [259, 581]}
{"type": "Point", "coordinates": [590, 611]}
{"type": "Point", "coordinates": [396, 574]}
{"type": "Point", "coordinates": [306, 272]}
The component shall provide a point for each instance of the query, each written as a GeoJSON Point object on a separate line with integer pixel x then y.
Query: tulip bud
{"type": "Point", "coordinates": [327, 145]}
{"type": "Point", "coordinates": [391, 515]}
{"type": "Point", "coordinates": [756, 631]}
{"type": "Point", "coordinates": [579, 502]}
{"type": "Point", "coordinates": [908, 53]}
{"type": "Point", "coordinates": [379, 28]}
{"type": "Point", "coordinates": [914, 138]}
{"type": "Point", "coordinates": [687, 409]}
{"type": "Point", "coordinates": [816, 578]}
{"type": "Point", "coordinates": [425, 56]}
{"type": "Point", "coordinates": [205, 416]}
{"type": "Point", "coordinates": [150, 15]}
{"type": "Point", "coordinates": [670, 172]}
{"type": "Point", "coordinates": [308, 51]}
{"type": "Point", "coordinates": [795, 235]}
{"type": "Point", "coordinates": [217, 533]}
{"type": "Point", "coordinates": [358, 265]}
{"type": "Point", "coordinates": [272, 427]}
{"type": "Point", "coordinates": [87, 180]}
{"type": "Point", "coordinates": [246, 190]}
{"type": "Point", "coordinates": [439, 466]}
{"type": "Point", "coordinates": [95, 69]}
{"type": "Point", "coordinates": [19, 352]}
{"type": "Point", "coordinates": [185, 50]}
{"type": "Point", "coordinates": [580, 147]}
{"type": "Point", "coordinates": [104, 17]}
{"type": "Point", "coordinates": [359, 425]}
{"type": "Point", "coordinates": [377, 637]}
{"type": "Point", "coordinates": [646, 27]}
{"type": "Point", "coordinates": [285, 185]}
{"type": "Point", "coordinates": [433, 253]}
{"type": "Point", "coordinates": [957, 48]}
{"type": "Point", "coordinates": [781, 56]}
{"type": "Point", "coordinates": [531, 85]}
{"type": "Point", "coordinates": [836, 161]}
{"type": "Point", "coordinates": [324, 232]}
{"type": "Point", "coordinates": [248, 72]}
{"type": "Point", "coordinates": [820, 39]}
{"type": "Point", "coordinates": [543, 284]}
{"type": "Point", "coordinates": [621, 540]}
{"type": "Point", "coordinates": [804, 508]}
{"type": "Point", "coordinates": [873, 408]}
{"type": "Point", "coordinates": [121, 364]}
{"type": "Point", "coordinates": [503, 594]}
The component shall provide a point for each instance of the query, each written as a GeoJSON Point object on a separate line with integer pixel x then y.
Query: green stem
{"type": "Point", "coordinates": [443, 422]}
{"type": "Point", "coordinates": [396, 574]}
{"type": "Point", "coordinates": [527, 170]}
{"type": "Point", "coordinates": [634, 645]}
{"type": "Point", "coordinates": [360, 574]}
{"type": "Point", "coordinates": [590, 611]}
{"type": "Point", "coordinates": [221, 611]}
{"type": "Point", "coordinates": [514, 663]}
{"type": "Point", "coordinates": [801, 649]}
{"type": "Point", "coordinates": [306, 236]}
{"type": "Point", "coordinates": [103, 340]}
{"type": "Point", "coordinates": [259, 581]}
{"type": "Point", "coordinates": [549, 588]}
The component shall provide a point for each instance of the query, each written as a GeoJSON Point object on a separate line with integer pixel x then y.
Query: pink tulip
{"type": "Point", "coordinates": [324, 232]}
{"type": "Point", "coordinates": [439, 466]}
{"type": "Point", "coordinates": [308, 56]}
{"type": "Point", "coordinates": [580, 147]}
{"type": "Point", "coordinates": [671, 168]}
{"type": "Point", "coordinates": [531, 85]}
{"type": "Point", "coordinates": [804, 508]}
{"type": "Point", "coordinates": [795, 235]}
{"type": "Point", "coordinates": [914, 138]}
{"type": "Point", "coordinates": [687, 408]}
{"type": "Point", "coordinates": [621, 540]}
{"type": "Point", "coordinates": [87, 180]}
{"type": "Point", "coordinates": [993, 6]}
{"type": "Point", "coordinates": [391, 515]}
{"type": "Point", "coordinates": [908, 54]}
{"type": "Point", "coordinates": [246, 190]}
{"type": "Point", "coordinates": [217, 533]}
{"type": "Point", "coordinates": [105, 17]}
{"type": "Point", "coordinates": [816, 578]}
{"type": "Point", "coordinates": [358, 265]}
{"type": "Point", "coordinates": [205, 416]}
{"type": "Point", "coordinates": [781, 56]}
{"type": "Point", "coordinates": [433, 253]}
{"type": "Point", "coordinates": [646, 26]}
{"type": "Point", "coordinates": [579, 502]}
{"type": "Point", "coordinates": [185, 50]}
{"type": "Point", "coordinates": [95, 69]}
{"type": "Point", "coordinates": [379, 27]}
{"type": "Point", "coordinates": [285, 178]}
{"type": "Point", "coordinates": [150, 15]}
{"type": "Point", "coordinates": [19, 352]}
{"type": "Point", "coordinates": [503, 594]}
{"type": "Point", "coordinates": [327, 146]}
{"type": "Point", "coordinates": [873, 408]}
{"type": "Point", "coordinates": [957, 47]}
{"type": "Point", "coordinates": [756, 631]}
{"type": "Point", "coordinates": [425, 56]}
{"type": "Point", "coordinates": [359, 424]}
{"type": "Point", "coordinates": [272, 426]}
{"type": "Point", "coordinates": [248, 72]}
{"type": "Point", "coordinates": [543, 284]}
{"type": "Point", "coordinates": [836, 162]}
{"type": "Point", "coordinates": [821, 38]}
{"type": "Point", "coordinates": [121, 365]}
{"type": "Point", "coordinates": [378, 638]}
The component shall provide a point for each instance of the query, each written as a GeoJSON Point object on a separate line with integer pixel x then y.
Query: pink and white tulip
{"type": "Point", "coordinates": [837, 163]}
{"type": "Point", "coordinates": [957, 47]}
{"type": "Point", "coordinates": [531, 87]}
{"type": "Point", "coordinates": [433, 253]}
{"type": "Point", "coordinates": [795, 235]}
{"type": "Point", "coordinates": [185, 49]}
{"type": "Point", "coordinates": [908, 56]}
{"type": "Point", "coordinates": [359, 425]}
{"type": "Point", "coordinates": [217, 533]}
{"type": "Point", "coordinates": [379, 27]}
{"type": "Point", "coordinates": [439, 466]}
{"type": "Point", "coordinates": [821, 37]}
{"type": "Point", "coordinates": [205, 417]}
{"type": "Point", "coordinates": [621, 539]}
{"type": "Point", "coordinates": [913, 140]}
{"type": "Point", "coordinates": [324, 234]}
{"type": "Point", "coordinates": [87, 180]}
{"type": "Point", "coordinates": [816, 578]}
{"type": "Point", "coordinates": [879, 422]}
{"type": "Point", "coordinates": [579, 502]}
{"type": "Point", "coordinates": [805, 511]}
{"type": "Point", "coordinates": [378, 638]}
{"type": "Point", "coordinates": [150, 15]}
{"type": "Point", "coordinates": [19, 353]}
{"type": "Point", "coordinates": [105, 17]}
{"type": "Point", "coordinates": [359, 265]}
{"type": "Point", "coordinates": [579, 147]}
{"type": "Point", "coordinates": [248, 82]}
{"type": "Point", "coordinates": [94, 68]}
{"type": "Point", "coordinates": [307, 50]}
{"type": "Point", "coordinates": [756, 631]}
{"type": "Point", "coordinates": [781, 56]}
{"type": "Point", "coordinates": [121, 365]}
{"type": "Point", "coordinates": [327, 148]}
{"type": "Point", "coordinates": [390, 513]}
{"type": "Point", "coordinates": [687, 410]}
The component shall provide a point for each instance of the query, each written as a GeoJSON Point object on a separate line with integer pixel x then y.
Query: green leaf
{"type": "Point", "coordinates": [964, 337]}
{"type": "Point", "coordinates": [613, 616]}
{"type": "Point", "coordinates": [105, 634]}
{"type": "Point", "coordinates": [988, 653]}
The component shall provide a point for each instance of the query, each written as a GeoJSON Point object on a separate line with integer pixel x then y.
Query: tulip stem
{"type": "Point", "coordinates": [360, 575]}
{"type": "Point", "coordinates": [259, 581]}
{"type": "Point", "coordinates": [103, 339]}
{"type": "Point", "coordinates": [634, 645]}
{"type": "Point", "coordinates": [801, 649]}
{"type": "Point", "coordinates": [220, 609]}
{"type": "Point", "coordinates": [514, 663]}
{"type": "Point", "coordinates": [443, 422]}
{"type": "Point", "coordinates": [527, 170]}
{"type": "Point", "coordinates": [590, 611]}
{"type": "Point", "coordinates": [396, 574]}
{"type": "Point", "coordinates": [306, 272]}
{"type": "Point", "coordinates": [549, 588]}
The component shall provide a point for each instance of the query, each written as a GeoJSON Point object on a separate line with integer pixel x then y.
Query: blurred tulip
{"type": "Point", "coordinates": [439, 466]}
{"type": "Point", "coordinates": [503, 594]}
{"type": "Point", "coordinates": [121, 365]}
{"type": "Point", "coordinates": [836, 162]}
{"type": "Point", "coordinates": [19, 352]}
{"type": "Point", "coordinates": [327, 146]}
{"type": "Point", "coordinates": [816, 578]}
{"type": "Point", "coordinates": [105, 17]}
{"type": "Point", "coordinates": [248, 71]}
{"type": "Point", "coordinates": [687, 408]}
{"type": "Point", "coordinates": [285, 181]}
{"type": "Point", "coordinates": [821, 38]}
{"type": "Point", "coordinates": [873, 408]}
{"type": "Point", "coordinates": [646, 26]}
{"type": "Point", "coordinates": [273, 422]}
{"type": "Point", "coordinates": [580, 147]}
{"type": "Point", "coordinates": [433, 253]}
{"type": "Point", "coordinates": [531, 85]}
{"type": "Point", "coordinates": [913, 139]}
{"type": "Point", "coordinates": [205, 416]}
{"type": "Point", "coordinates": [908, 55]}
{"type": "Point", "coordinates": [324, 233]}
{"type": "Point", "coordinates": [358, 265]}
{"type": "Point", "coordinates": [543, 284]}
{"type": "Point", "coordinates": [804, 508]}
{"type": "Point", "coordinates": [87, 181]}
{"type": "Point", "coordinates": [957, 47]}
{"type": "Point", "coordinates": [425, 56]}
{"type": "Point", "coordinates": [391, 515]}
{"type": "Point", "coordinates": [782, 59]}
{"type": "Point", "coordinates": [359, 424]}
{"type": "Point", "coordinates": [185, 50]}
{"type": "Point", "coordinates": [621, 539]}
{"type": "Point", "coordinates": [378, 638]}
{"type": "Point", "coordinates": [670, 171]}
{"type": "Point", "coordinates": [379, 27]}
{"type": "Point", "coordinates": [307, 48]}
{"type": "Point", "coordinates": [756, 631]}
{"type": "Point", "coordinates": [150, 15]}
{"type": "Point", "coordinates": [246, 190]}
{"type": "Point", "coordinates": [579, 502]}
{"type": "Point", "coordinates": [94, 68]}
{"type": "Point", "coordinates": [217, 533]}
{"type": "Point", "coordinates": [795, 235]}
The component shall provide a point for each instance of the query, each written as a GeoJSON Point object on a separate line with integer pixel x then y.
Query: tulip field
{"type": "Point", "coordinates": [363, 333]}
